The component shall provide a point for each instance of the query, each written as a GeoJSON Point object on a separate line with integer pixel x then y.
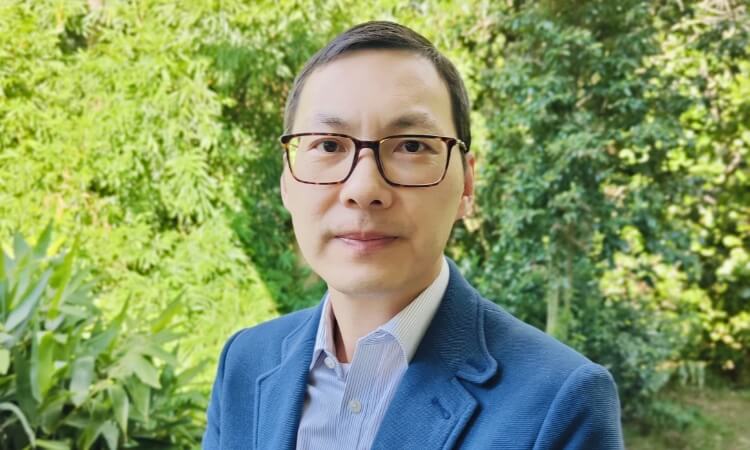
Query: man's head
{"type": "Point", "coordinates": [369, 237]}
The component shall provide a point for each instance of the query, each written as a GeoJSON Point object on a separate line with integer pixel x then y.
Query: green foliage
{"type": "Point", "coordinates": [71, 379]}
{"type": "Point", "coordinates": [707, 59]}
{"type": "Point", "coordinates": [111, 124]}
{"type": "Point", "coordinates": [596, 194]}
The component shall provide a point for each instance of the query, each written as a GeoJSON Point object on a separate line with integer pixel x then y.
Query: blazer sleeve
{"type": "Point", "coordinates": [212, 433]}
{"type": "Point", "coordinates": [585, 413]}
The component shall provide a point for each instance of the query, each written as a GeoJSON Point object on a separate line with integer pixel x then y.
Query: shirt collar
{"type": "Point", "coordinates": [407, 327]}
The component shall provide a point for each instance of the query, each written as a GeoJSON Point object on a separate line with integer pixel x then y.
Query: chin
{"type": "Point", "coordinates": [362, 281]}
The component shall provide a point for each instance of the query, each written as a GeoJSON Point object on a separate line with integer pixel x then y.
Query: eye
{"type": "Point", "coordinates": [415, 147]}
{"type": "Point", "coordinates": [412, 146]}
{"type": "Point", "coordinates": [328, 146]}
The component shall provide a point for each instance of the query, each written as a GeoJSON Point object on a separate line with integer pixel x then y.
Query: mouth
{"type": "Point", "coordinates": [366, 242]}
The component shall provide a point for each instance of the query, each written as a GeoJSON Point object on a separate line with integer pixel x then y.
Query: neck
{"type": "Point", "coordinates": [357, 316]}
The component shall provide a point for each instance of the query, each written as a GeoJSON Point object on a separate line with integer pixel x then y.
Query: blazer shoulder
{"type": "Point", "coordinates": [522, 346]}
{"type": "Point", "coordinates": [262, 343]}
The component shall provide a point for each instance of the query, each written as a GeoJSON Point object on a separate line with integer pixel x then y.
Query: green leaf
{"type": "Point", "coordinates": [42, 244]}
{"type": "Point", "coordinates": [24, 392]}
{"type": "Point", "coordinates": [83, 374]}
{"type": "Point", "coordinates": [168, 314]}
{"type": "Point", "coordinates": [44, 362]}
{"type": "Point", "coordinates": [120, 406]}
{"type": "Point", "coordinates": [101, 341]}
{"type": "Point", "coordinates": [20, 246]}
{"type": "Point", "coordinates": [187, 375]}
{"type": "Point", "coordinates": [6, 406]}
{"type": "Point", "coordinates": [33, 362]}
{"type": "Point", "coordinates": [141, 395]}
{"type": "Point", "coordinates": [6, 266]}
{"type": "Point", "coordinates": [144, 370]}
{"type": "Point", "coordinates": [51, 411]}
{"type": "Point", "coordinates": [111, 434]}
{"type": "Point", "coordinates": [28, 305]}
{"type": "Point", "coordinates": [92, 431]}
{"type": "Point", "coordinates": [53, 445]}
{"type": "Point", "coordinates": [156, 351]}
{"type": "Point", "coordinates": [61, 277]}
{"type": "Point", "coordinates": [20, 287]}
{"type": "Point", "coordinates": [4, 360]}
{"type": "Point", "coordinates": [7, 340]}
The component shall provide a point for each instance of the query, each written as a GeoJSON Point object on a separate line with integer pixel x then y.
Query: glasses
{"type": "Point", "coordinates": [413, 160]}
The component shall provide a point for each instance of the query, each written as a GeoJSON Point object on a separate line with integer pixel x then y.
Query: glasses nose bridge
{"type": "Point", "coordinates": [373, 145]}
{"type": "Point", "coordinates": [359, 145]}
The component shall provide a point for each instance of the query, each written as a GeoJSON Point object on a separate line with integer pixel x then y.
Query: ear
{"type": "Point", "coordinates": [467, 196]}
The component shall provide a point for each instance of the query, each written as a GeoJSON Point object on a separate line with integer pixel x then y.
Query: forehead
{"type": "Point", "coordinates": [375, 91]}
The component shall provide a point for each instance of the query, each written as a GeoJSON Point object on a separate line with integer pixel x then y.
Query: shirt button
{"type": "Point", "coordinates": [329, 362]}
{"type": "Point", "coordinates": [355, 406]}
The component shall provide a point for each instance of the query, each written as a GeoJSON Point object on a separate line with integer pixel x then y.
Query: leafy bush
{"type": "Point", "coordinates": [594, 137]}
{"type": "Point", "coordinates": [114, 115]}
{"type": "Point", "coordinates": [71, 379]}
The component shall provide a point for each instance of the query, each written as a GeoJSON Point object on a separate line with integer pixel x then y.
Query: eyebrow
{"type": "Point", "coordinates": [411, 120]}
{"type": "Point", "coordinates": [330, 120]}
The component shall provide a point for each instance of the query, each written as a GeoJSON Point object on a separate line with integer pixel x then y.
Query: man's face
{"type": "Point", "coordinates": [365, 238]}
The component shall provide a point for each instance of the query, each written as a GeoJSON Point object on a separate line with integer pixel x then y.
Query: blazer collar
{"type": "Point", "coordinates": [456, 335]}
{"type": "Point", "coordinates": [429, 398]}
{"type": "Point", "coordinates": [280, 392]}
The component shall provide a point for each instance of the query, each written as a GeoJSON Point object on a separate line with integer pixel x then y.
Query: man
{"type": "Point", "coordinates": [401, 353]}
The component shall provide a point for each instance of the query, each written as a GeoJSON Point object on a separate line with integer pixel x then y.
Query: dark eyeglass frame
{"type": "Point", "coordinates": [375, 146]}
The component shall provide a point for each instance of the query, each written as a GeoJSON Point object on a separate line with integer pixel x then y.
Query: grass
{"type": "Point", "coordinates": [719, 419]}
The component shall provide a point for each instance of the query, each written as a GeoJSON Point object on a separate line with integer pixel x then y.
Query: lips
{"type": "Point", "coordinates": [366, 241]}
{"type": "Point", "coordinates": [365, 236]}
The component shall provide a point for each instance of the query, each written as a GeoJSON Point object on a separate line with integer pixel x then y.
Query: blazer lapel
{"type": "Point", "coordinates": [281, 391]}
{"type": "Point", "coordinates": [431, 407]}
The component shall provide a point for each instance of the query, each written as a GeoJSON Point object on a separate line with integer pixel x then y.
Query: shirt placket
{"type": "Point", "coordinates": [357, 402]}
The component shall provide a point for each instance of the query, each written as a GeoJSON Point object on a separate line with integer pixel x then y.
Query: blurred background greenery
{"type": "Point", "coordinates": [141, 223]}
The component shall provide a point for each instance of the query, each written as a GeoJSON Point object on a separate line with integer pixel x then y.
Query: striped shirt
{"type": "Point", "coordinates": [345, 403]}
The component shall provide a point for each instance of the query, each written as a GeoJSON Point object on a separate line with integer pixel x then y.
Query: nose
{"type": "Point", "coordinates": [365, 188]}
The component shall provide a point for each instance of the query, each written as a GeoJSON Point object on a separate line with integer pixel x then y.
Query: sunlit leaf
{"type": "Point", "coordinates": [81, 378]}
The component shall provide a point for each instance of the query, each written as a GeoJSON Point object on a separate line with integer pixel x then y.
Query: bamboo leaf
{"type": "Point", "coordinates": [101, 341]}
{"type": "Point", "coordinates": [156, 351]}
{"type": "Point", "coordinates": [42, 244]}
{"type": "Point", "coordinates": [83, 374]}
{"type": "Point", "coordinates": [51, 412]}
{"type": "Point", "coordinates": [28, 305]}
{"type": "Point", "coordinates": [92, 431]}
{"type": "Point", "coordinates": [20, 246]}
{"type": "Point", "coordinates": [120, 406]}
{"type": "Point", "coordinates": [187, 375]}
{"type": "Point", "coordinates": [45, 360]}
{"type": "Point", "coordinates": [141, 395]}
{"type": "Point", "coordinates": [61, 277]}
{"type": "Point", "coordinates": [4, 360]}
{"type": "Point", "coordinates": [24, 391]}
{"type": "Point", "coordinates": [53, 445]}
{"type": "Point", "coordinates": [6, 406]}
{"type": "Point", "coordinates": [145, 371]}
{"type": "Point", "coordinates": [164, 319]}
{"type": "Point", "coordinates": [111, 434]}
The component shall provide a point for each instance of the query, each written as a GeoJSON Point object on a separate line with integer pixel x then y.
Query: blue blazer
{"type": "Point", "coordinates": [480, 379]}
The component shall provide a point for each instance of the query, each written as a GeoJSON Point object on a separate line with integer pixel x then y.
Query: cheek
{"type": "Point", "coordinates": [434, 215]}
{"type": "Point", "coordinates": [307, 209]}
